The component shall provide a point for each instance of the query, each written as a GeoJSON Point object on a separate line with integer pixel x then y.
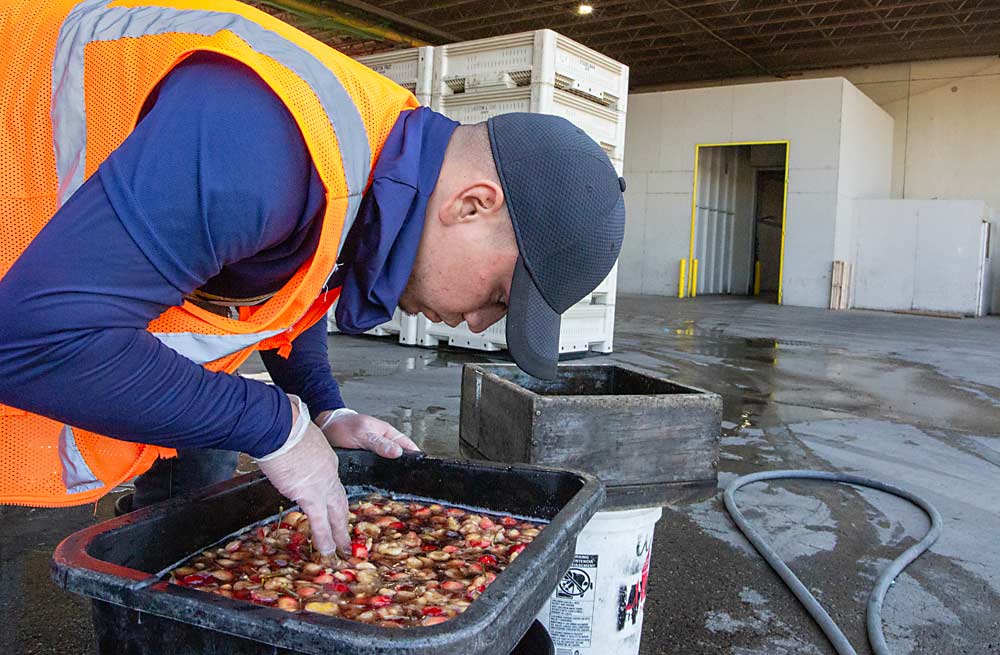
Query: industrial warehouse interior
{"type": "Point", "coordinates": [775, 423]}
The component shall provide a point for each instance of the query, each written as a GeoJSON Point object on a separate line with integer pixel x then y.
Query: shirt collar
{"type": "Point", "coordinates": [381, 248]}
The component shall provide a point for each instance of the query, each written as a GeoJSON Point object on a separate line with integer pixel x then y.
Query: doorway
{"type": "Point", "coordinates": [737, 220]}
{"type": "Point", "coordinates": [769, 191]}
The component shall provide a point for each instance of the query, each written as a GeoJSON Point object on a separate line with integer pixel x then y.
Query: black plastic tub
{"type": "Point", "coordinates": [116, 564]}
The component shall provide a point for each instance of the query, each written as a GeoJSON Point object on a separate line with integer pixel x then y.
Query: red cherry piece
{"type": "Point", "coordinates": [341, 588]}
{"type": "Point", "coordinates": [380, 601]}
{"type": "Point", "coordinates": [488, 560]}
{"type": "Point", "coordinates": [508, 521]}
{"type": "Point", "coordinates": [297, 539]}
{"type": "Point", "coordinates": [359, 550]}
{"type": "Point", "coordinates": [450, 549]}
{"type": "Point", "coordinates": [428, 548]}
{"type": "Point", "coordinates": [263, 597]}
{"type": "Point", "coordinates": [397, 525]}
{"type": "Point", "coordinates": [432, 610]}
{"type": "Point", "coordinates": [286, 526]}
{"type": "Point", "coordinates": [323, 578]}
{"type": "Point", "coordinates": [195, 579]}
{"type": "Point", "coordinates": [347, 575]}
{"type": "Point", "coordinates": [516, 548]}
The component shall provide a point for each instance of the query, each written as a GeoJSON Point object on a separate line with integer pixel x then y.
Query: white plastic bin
{"type": "Point", "coordinates": [396, 325]}
{"type": "Point", "coordinates": [584, 327]}
{"type": "Point", "coordinates": [411, 68]}
{"type": "Point", "coordinates": [542, 57]}
{"type": "Point", "coordinates": [603, 125]}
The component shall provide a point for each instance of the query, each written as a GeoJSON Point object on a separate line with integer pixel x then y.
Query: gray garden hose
{"type": "Point", "coordinates": [875, 636]}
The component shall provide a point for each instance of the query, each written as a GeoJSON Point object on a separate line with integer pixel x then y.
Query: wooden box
{"type": "Point", "coordinates": [651, 441]}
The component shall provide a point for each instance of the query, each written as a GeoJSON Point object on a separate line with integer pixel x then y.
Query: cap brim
{"type": "Point", "coordinates": [532, 327]}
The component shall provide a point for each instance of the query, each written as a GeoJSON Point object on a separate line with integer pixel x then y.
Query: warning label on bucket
{"type": "Point", "coordinates": [571, 610]}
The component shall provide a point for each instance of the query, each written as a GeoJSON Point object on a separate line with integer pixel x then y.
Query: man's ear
{"type": "Point", "coordinates": [480, 199]}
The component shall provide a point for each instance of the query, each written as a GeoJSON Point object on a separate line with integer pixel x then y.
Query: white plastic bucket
{"type": "Point", "coordinates": [597, 607]}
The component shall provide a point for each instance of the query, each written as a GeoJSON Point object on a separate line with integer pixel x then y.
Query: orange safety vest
{"type": "Point", "coordinates": [73, 80]}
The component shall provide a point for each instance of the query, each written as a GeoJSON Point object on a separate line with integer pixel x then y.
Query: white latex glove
{"type": "Point", "coordinates": [345, 428]}
{"type": "Point", "coordinates": [305, 470]}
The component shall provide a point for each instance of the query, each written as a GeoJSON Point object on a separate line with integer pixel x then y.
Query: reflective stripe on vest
{"type": "Point", "coordinates": [76, 475]}
{"type": "Point", "coordinates": [93, 20]}
{"type": "Point", "coordinates": [205, 348]}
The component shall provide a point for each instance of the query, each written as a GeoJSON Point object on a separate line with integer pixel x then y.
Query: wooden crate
{"type": "Point", "coordinates": [651, 441]}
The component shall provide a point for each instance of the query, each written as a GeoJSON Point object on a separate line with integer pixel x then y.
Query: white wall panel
{"type": "Point", "coordinates": [809, 231]}
{"type": "Point", "coordinates": [642, 141]}
{"type": "Point", "coordinates": [865, 147]}
{"type": "Point", "coordinates": [691, 117]}
{"type": "Point", "coordinates": [805, 112]}
{"type": "Point", "coordinates": [667, 223]}
{"type": "Point", "coordinates": [865, 162]}
{"type": "Point", "coordinates": [884, 266]}
{"type": "Point", "coordinates": [947, 256]}
{"type": "Point", "coordinates": [672, 181]}
{"type": "Point", "coordinates": [631, 260]}
{"type": "Point", "coordinates": [813, 180]}
{"type": "Point", "coordinates": [919, 254]}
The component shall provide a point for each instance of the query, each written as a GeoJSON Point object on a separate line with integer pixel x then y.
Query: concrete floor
{"type": "Point", "coordinates": [913, 399]}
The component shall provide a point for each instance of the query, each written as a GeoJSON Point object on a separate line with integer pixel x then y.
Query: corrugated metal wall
{"type": "Point", "coordinates": [715, 219]}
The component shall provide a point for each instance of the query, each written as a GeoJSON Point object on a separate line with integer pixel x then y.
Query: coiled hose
{"type": "Point", "coordinates": [874, 622]}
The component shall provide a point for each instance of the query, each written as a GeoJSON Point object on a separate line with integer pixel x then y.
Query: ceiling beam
{"type": "Point", "coordinates": [661, 76]}
{"type": "Point", "coordinates": [770, 54]}
{"type": "Point", "coordinates": [719, 38]}
{"type": "Point", "coordinates": [603, 43]}
{"type": "Point", "coordinates": [399, 19]}
{"type": "Point", "coordinates": [650, 8]}
{"type": "Point", "coordinates": [326, 18]}
{"type": "Point", "coordinates": [598, 15]}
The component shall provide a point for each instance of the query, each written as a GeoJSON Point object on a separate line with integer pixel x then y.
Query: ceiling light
{"type": "Point", "coordinates": [585, 9]}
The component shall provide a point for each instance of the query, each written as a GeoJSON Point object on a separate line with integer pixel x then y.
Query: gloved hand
{"type": "Point", "coordinates": [345, 428]}
{"type": "Point", "coordinates": [305, 470]}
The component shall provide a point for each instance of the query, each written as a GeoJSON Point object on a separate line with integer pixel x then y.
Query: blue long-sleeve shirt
{"type": "Point", "coordinates": [214, 190]}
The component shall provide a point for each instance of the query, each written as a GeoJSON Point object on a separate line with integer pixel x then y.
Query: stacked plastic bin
{"type": "Point", "coordinates": [410, 69]}
{"type": "Point", "coordinates": [540, 72]}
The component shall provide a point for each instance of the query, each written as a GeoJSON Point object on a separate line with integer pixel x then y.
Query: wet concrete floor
{"type": "Point", "coordinates": [914, 400]}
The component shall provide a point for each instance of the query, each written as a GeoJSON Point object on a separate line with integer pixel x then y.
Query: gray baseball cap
{"type": "Point", "coordinates": [565, 201]}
